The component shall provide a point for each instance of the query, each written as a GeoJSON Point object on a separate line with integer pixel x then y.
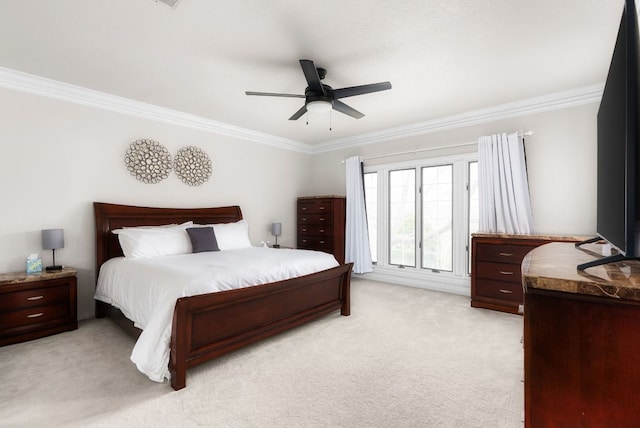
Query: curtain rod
{"type": "Point", "coordinates": [413, 152]}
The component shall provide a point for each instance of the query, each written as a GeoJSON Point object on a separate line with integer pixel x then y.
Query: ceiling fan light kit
{"type": "Point", "coordinates": [319, 107]}
{"type": "Point", "coordinates": [320, 98]}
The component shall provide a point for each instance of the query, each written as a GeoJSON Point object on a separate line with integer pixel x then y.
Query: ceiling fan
{"type": "Point", "coordinates": [320, 97]}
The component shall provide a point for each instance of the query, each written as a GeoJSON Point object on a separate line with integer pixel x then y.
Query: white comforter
{"type": "Point", "coordinates": [146, 290]}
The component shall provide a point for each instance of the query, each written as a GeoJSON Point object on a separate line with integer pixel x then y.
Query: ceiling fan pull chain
{"type": "Point", "coordinates": [307, 118]}
{"type": "Point", "coordinates": [330, 117]}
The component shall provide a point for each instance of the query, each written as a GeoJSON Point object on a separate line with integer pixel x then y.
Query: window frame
{"type": "Point", "coordinates": [460, 233]}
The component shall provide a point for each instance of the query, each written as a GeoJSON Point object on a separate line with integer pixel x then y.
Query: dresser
{"type": "Point", "coordinates": [37, 305]}
{"type": "Point", "coordinates": [321, 223]}
{"type": "Point", "coordinates": [581, 339]}
{"type": "Point", "coordinates": [496, 281]}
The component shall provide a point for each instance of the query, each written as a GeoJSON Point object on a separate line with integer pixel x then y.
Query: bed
{"type": "Point", "coordinates": [206, 326]}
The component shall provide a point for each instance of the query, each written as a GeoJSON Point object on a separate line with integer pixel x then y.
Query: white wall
{"type": "Point", "coordinates": [561, 159]}
{"type": "Point", "coordinates": [57, 158]}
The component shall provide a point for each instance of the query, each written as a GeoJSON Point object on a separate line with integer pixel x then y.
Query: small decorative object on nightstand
{"type": "Point", "coordinates": [53, 239]}
{"type": "Point", "coordinates": [37, 305]}
{"type": "Point", "coordinates": [276, 230]}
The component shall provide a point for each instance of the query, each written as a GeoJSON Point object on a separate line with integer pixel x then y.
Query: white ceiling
{"type": "Point", "coordinates": [443, 57]}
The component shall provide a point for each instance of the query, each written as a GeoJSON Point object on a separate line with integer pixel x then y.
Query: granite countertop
{"type": "Point", "coordinates": [554, 267]}
{"type": "Point", "coordinates": [561, 238]}
{"type": "Point", "coordinates": [22, 277]}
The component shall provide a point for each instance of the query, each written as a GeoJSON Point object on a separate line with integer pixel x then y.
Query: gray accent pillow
{"type": "Point", "coordinates": [202, 239]}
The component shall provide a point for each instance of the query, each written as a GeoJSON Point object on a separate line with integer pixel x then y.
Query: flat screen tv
{"type": "Point", "coordinates": [618, 152]}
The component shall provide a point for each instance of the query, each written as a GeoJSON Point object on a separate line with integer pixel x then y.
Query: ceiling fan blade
{"type": "Point", "coordinates": [360, 90]}
{"type": "Point", "coordinates": [272, 94]}
{"type": "Point", "coordinates": [349, 111]}
{"type": "Point", "coordinates": [311, 74]}
{"type": "Point", "coordinates": [299, 113]}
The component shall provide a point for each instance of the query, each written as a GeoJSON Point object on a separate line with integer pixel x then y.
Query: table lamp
{"type": "Point", "coordinates": [53, 239]}
{"type": "Point", "coordinates": [276, 230]}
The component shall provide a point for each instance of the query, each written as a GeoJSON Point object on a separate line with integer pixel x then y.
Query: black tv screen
{"type": "Point", "coordinates": [618, 161]}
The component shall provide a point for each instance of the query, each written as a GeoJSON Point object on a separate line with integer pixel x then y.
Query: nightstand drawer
{"type": "Point", "coordinates": [499, 290]}
{"type": "Point", "coordinates": [35, 297]}
{"type": "Point", "coordinates": [35, 315]}
{"type": "Point", "coordinates": [499, 271]}
{"type": "Point", "coordinates": [502, 253]}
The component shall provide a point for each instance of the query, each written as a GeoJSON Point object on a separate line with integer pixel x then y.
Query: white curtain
{"type": "Point", "coordinates": [357, 248]}
{"type": "Point", "coordinates": [503, 188]}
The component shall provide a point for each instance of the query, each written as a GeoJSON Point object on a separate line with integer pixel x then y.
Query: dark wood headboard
{"type": "Point", "coordinates": [112, 216]}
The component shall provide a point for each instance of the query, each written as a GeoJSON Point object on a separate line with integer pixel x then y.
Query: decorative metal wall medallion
{"type": "Point", "coordinates": [148, 161]}
{"type": "Point", "coordinates": [192, 166]}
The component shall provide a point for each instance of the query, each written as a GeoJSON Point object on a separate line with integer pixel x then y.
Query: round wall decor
{"type": "Point", "coordinates": [192, 166]}
{"type": "Point", "coordinates": [148, 161]}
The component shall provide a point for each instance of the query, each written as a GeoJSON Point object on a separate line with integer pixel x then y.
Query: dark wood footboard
{"type": "Point", "coordinates": [207, 326]}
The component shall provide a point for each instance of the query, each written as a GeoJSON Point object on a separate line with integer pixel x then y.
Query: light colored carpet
{"type": "Point", "coordinates": [406, 357]}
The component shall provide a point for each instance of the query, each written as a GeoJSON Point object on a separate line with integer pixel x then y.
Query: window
{"type": "Point", "coordinates": [421, 215]}
{"type": "Point", "coordinates": [437, 217]}
{"type": "Point", "coordinates": [402, 217]}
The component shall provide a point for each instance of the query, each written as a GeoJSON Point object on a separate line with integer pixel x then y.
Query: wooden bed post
{"type": "Point", "coordinates": [346, 292]}
{"type": "Point", "coordinates": [178, 355]}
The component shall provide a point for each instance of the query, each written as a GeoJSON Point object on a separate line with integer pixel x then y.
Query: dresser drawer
{"type": "Point", "coordinates": [38, 314]}
{"type": "Point", "coordinates": [314, 219]}
{"type": "Point", "coordinates": [319, 206]}
{"type": "Point", "coordinates": [315, 243]}
{"type": "Point", "coordinates": [34, 297]}
{"type": "Point", "coordinates": [499, 271]}
{"type": "Point", "coordinates": [501, 290]}
{"type": "Point", "coordinates": [502, 253]}
{"type": "Point", "coordinates": [315, 230]}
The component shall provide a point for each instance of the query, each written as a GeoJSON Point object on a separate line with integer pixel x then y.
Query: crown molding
{"type": "Point", "coordinates": [555, 101]}
{"type": "Point", "coordinates": [37, 85]}
{"type": "Point", "coordinates": [24, 82]}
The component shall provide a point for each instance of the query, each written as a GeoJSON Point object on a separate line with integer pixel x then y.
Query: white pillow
{"type": "Point", "coordinates": [232, 235]}
{"type": "Point", "coordinates": [144, 243]}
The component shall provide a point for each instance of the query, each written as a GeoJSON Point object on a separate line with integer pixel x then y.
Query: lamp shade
{"type": "Point", "coordinates": [276, 229]}
{"type": "Point", "coordinates": [52, 239]}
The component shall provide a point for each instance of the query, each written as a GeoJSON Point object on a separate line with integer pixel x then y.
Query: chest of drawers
{"type": "Point", "coordinates": [496, 278]}
{"type": "Point", "coordinates": [321, 222]}
{"type": "Point", "coordinates": [37, 305]}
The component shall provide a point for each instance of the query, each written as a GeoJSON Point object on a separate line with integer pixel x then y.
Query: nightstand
{"type": "Point", "coordinates": [37, 305]}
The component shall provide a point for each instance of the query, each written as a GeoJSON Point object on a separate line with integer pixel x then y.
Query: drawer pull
{"type": "Point", "coordinates": [304, 208]}
{"type": "Point", "coordinates": [504, 272]}
{"type": "Point", "coordinates": [322, 242]}
{"type": "Point", "coordinates": [39, 314]}
{"type": "Point", "coordinates": [304, 219]}
{"type": "Point", "coordinates": [321, 231]}
{"type": "Point", "coordinates": [321, 208]}
{"type": "Point", "coordinates": [503, 291]}
{"type": "Point", "coordinates": [35, 298]}
{"type": "Point", "coordinates": [506, 254]}
{"type": "Point", "coordinates": [321, 219]}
